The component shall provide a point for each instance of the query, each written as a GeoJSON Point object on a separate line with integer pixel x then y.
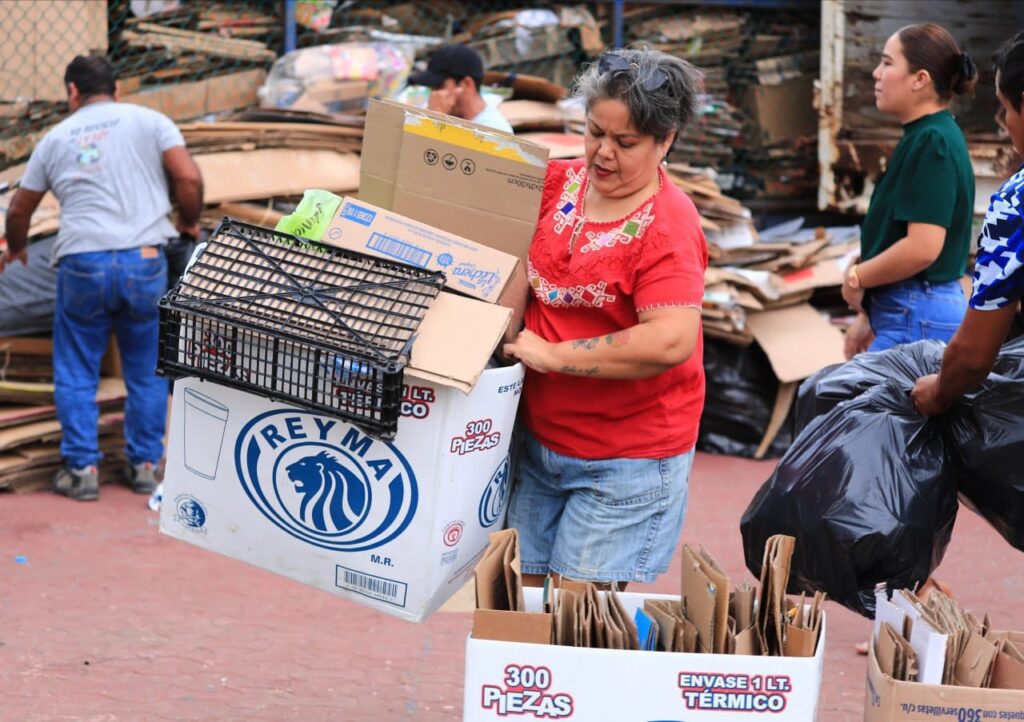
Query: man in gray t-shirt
{"type": "Point", "coordinates": [112, 166]}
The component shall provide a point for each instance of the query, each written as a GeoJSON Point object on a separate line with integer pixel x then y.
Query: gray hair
{"type": "Point", "coordinates": [672, 106]}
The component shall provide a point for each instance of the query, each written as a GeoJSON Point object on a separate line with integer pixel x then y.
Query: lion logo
{"type": "Point", "coordinates": [325, 482]}
{"type": "Point", "coordinates": [333, 498]}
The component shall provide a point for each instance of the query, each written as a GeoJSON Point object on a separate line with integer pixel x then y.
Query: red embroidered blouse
{"type": "Point", "coordinates": [653, 258]}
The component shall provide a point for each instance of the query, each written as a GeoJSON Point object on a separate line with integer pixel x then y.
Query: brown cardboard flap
{"type": "Point", "coordinates": [699, 592]}
{"type": "Point", "coordinates": [746, 641]}
{"type": "Point", "coordinates": [797, 341]}
{"type": "Point", "coordinates": [181, 101]}
{"type": "Point", "coordinates": [492, 590]}
{"type": "Point", "coordinates": [565, 618]}
{"type": "Point", "coordinates": [778, 553]}
{"type": "Point", "coordinates": [515, 297]}
{"type": "Point", "coordinates": [800, 642]}
{"type": "Point", "coordinates": [266, 172]}
{"type": "Point", "coordinates": [622, 619]}
{"type": "Point", "coordinates": [456, 339]}
{"type": "Point", "coordinates": [741, 605]}
{"type": "Point", "coordinates": [666, 624]}
{"type": "Point", "coordinates": [893, 654]}
{"type": "Point", "coordinates": [559, 145]}
{"type": "Point", "coordinates": [504, 626]}
{"type": "Point", "coordinates": [974, 667]}
{"type": "Point", "coordinates": [1008, 669]}
{"type": "Point", "coordinates": [720, 579]}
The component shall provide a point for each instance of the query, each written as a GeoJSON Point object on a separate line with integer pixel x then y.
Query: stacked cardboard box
{"type": "Point", "coordinates": [757, 122]}
{"type": "Point", "coordinates": [399, 525]}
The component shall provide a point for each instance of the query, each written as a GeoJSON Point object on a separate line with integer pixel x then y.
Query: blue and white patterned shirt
{"type": "Point", "coordinates": [999, 271]}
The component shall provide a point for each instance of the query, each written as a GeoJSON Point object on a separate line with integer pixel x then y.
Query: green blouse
{"type": "Point", "coordinates": [929, 180]}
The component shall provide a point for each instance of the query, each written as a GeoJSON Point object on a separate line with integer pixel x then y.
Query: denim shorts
{"type": "Point", "coordinates": [915, 310]}
{"type": "Point", "coordinates": [597, 519]}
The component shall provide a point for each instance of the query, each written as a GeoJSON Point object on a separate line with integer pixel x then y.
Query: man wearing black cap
{"type": "Point", "coordinates": [454, 75]}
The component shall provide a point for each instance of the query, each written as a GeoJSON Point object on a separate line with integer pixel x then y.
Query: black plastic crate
{"type": "Point", "coordinates": [318, 327]}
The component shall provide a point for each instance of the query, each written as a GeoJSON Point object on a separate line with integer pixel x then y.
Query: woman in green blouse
{"type": "Point", "coordinates": [916, 235]}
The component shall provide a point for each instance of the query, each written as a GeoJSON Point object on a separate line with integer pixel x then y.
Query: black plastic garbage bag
{"type": "Point", "coordinates": [986, 435]}
{"type": "Point", "coordinates": [903, 364]}
{"type": "Point", "coordinates": [740, 396]}
{"type": "Point", "coordinates": [807, 406]}
{"type": "Point", "coordinates": [868, 491]}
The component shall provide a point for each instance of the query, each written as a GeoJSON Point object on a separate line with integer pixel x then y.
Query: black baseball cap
{"type": "Point", "coordinates": [451, 61]}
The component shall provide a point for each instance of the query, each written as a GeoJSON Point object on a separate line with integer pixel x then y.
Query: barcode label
{"type": "Point", "coordinates": [385, 590]}
{"type": "Point", "coordinates": [399, 249]}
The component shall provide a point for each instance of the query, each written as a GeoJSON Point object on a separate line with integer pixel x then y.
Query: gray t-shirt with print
{"type": "Point", "coordinates": [105, 165]}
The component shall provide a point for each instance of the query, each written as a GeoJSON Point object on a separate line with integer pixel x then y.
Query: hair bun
{"type": "Point", "coordinates": [966, 75]}
{"type": "Point", "coordinates": [966, 67]}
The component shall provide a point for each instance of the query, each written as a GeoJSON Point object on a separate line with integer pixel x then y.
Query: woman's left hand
{"type": "Point", "coordinates": [532, 350]}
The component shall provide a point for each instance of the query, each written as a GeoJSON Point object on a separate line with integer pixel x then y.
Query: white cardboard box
{"type": "Point", "coordinates": [395, 526]}
{"type": "Point", "coordinates": [507, 680]}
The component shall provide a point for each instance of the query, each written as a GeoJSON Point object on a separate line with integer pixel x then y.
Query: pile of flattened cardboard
{"type": "Point", "coordinates": [757, 119]}
{"type": "Point", "coordinates": [196, 59]}
{"type": "Point", "coordinates": [929, 650]}
{"type": "Point", "coordinates": [29, 431]}
{"type": "Point", "coordinates": [758, 288]}
{"type": "Point", "coordinates": [752, 275]}
{"type": "Point", "coordinates": [193, 60]}
{"type": "Point", "coordinates": [281, 154]}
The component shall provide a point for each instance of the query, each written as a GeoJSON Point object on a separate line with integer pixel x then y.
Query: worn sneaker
{"type": "Point", "coordinates": [141, 477]}
{"type": "Point", "coordinates": [78, 484]}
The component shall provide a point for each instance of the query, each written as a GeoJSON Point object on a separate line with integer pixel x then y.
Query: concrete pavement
{"type": "Point", "coordinates": [104, 619]}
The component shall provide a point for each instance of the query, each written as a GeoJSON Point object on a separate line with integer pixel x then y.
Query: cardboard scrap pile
{"type": "Point", "coordinates": [711, 616]}
{"type": "Point", "coordinates": [194, 59]}
{"type": "Point", "coordinates": [932, 650]}
{"type": "Point", "coordinates": [29, 431]}
{"type": "Point", "coordinates": [758, 287]}
{"type": "Point", "coordinates": [199, 58]}
{"type": "Point", "coordinates": [276, 154]}
{"type": "Point", "coordinates": [757, 121]}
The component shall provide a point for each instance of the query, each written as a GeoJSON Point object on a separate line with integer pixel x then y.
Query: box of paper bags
{"type": "Point", "coordinates": [583, 653]}
{"type": "Point", "coordinates": [936, 660]}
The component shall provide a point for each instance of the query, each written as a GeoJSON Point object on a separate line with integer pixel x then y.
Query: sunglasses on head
{"type": "Point", "coordinates": [615, 63]}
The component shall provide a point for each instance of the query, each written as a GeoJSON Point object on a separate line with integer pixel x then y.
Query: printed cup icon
{"type": "Point", "coordinates": [205, 421]}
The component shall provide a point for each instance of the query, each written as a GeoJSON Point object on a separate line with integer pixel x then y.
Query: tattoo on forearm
{"type": "Point", "coordinates": [576, 371]}
{"type": "Point", "coordinates": [615, 340]}
{"type": "Point", "coordinates": [587, 343]}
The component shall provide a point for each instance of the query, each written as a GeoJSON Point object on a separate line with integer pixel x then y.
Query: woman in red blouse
{"type": "Point", "coordinates": [613, 344]}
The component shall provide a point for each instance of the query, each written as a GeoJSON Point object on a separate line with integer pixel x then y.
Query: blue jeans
{"type": "Point", "coordinates": [915, 310]}
{"type": "Point", "coordinates": [97, 292]}
{"type": "Point", "coordinates": [598, 520]}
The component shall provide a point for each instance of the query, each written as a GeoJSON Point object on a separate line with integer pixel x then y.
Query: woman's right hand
{"type": "Point", "coordinates": [858, 337]}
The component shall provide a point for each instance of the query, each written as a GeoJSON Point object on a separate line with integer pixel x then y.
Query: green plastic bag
{"type": "Point", "coordinates": [312, 216]}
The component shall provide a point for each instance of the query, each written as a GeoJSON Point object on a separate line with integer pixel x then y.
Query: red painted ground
{"type": "Point", "coordinates": [109, 621]}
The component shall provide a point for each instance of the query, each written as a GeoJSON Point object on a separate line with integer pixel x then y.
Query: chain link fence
{"type": "Point", "coordinates": [197, 58]}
